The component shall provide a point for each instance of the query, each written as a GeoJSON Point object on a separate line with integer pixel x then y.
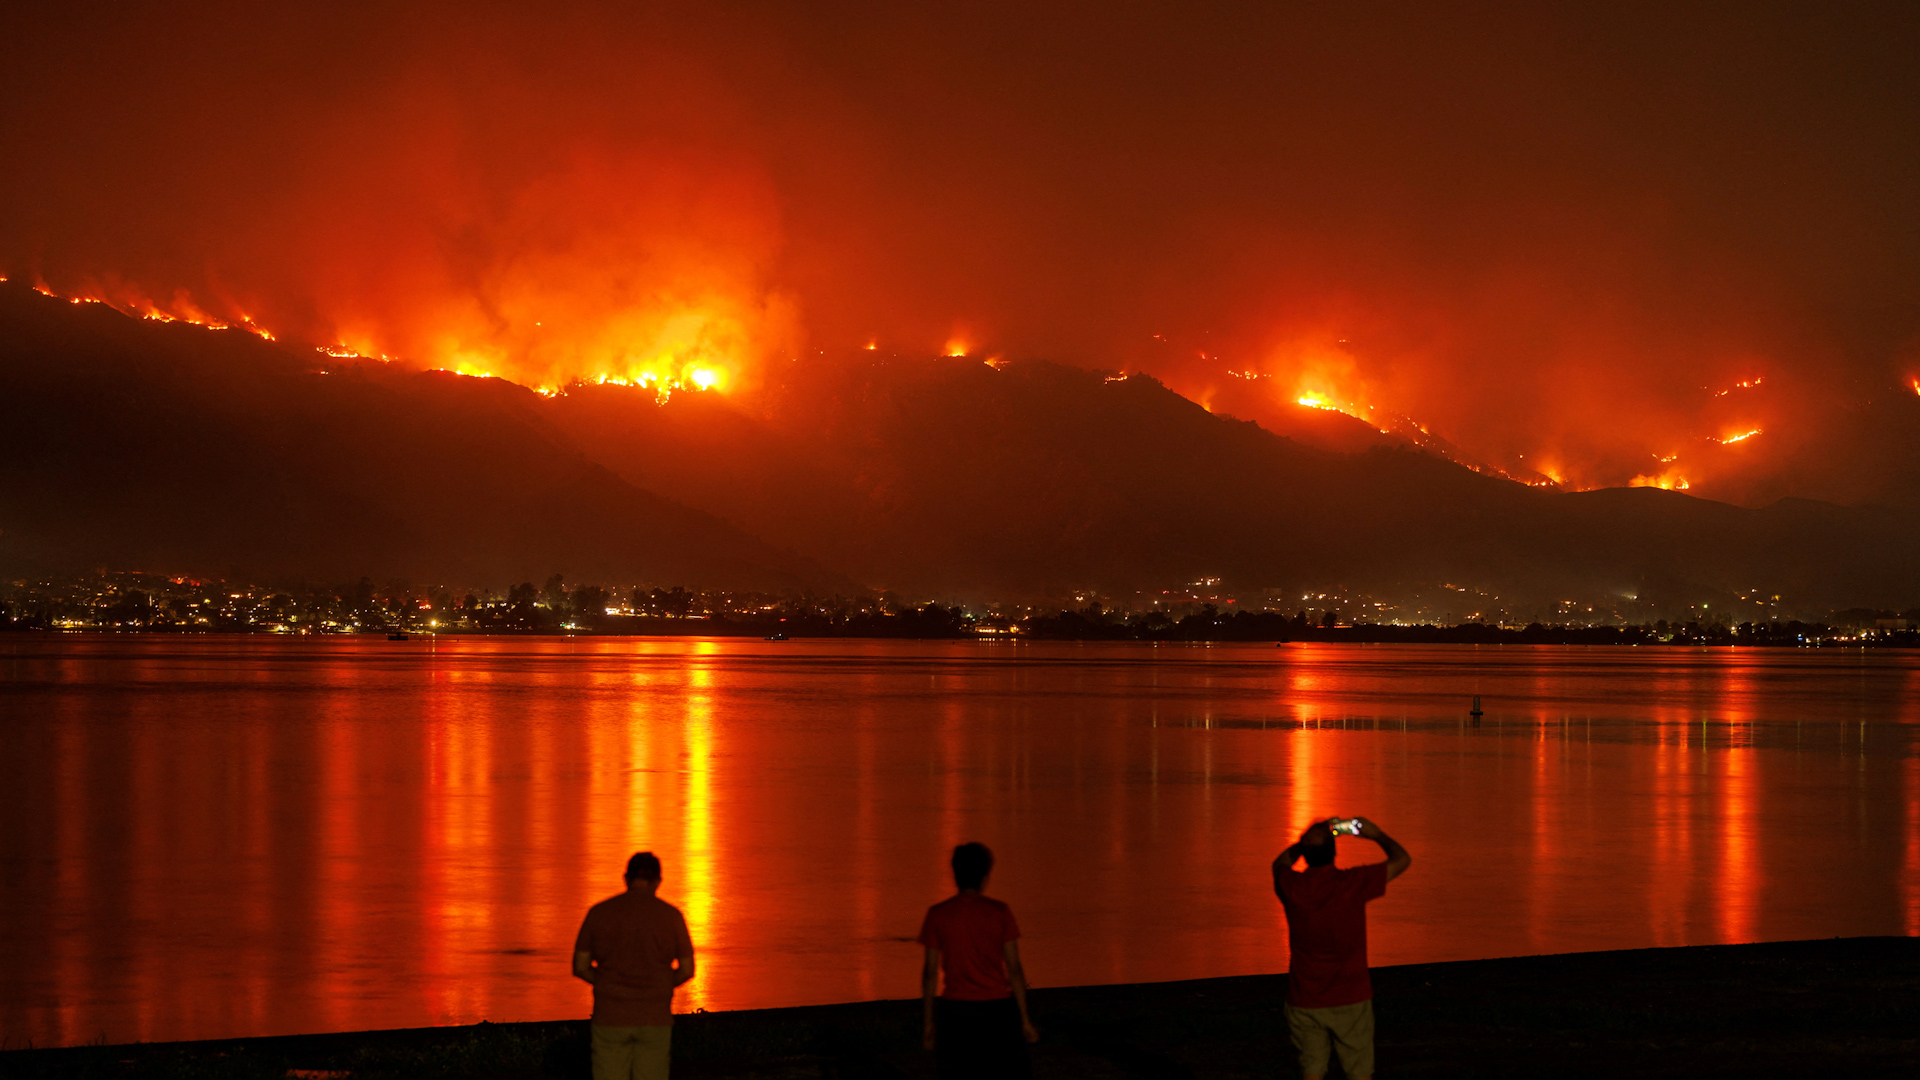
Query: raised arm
{"type": "Point", "coordinates": [1315, 835]}
{"type": "Point", "coordinates": [1283, 863]}
{"type": "Point", "coordinates": [1397, 858]}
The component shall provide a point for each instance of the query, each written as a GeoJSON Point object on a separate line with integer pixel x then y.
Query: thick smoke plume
{"type": "Point", "coordinates": [1561, 239]}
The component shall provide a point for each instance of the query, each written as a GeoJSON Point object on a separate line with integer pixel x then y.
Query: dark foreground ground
{"type": "Point", "coordinates": [1823, 1008]}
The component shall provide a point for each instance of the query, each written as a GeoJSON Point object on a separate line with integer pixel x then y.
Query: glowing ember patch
{"type": "Point", "coordinates": [1664, 481]}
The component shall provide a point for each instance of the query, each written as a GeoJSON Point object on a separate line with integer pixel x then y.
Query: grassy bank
{"type": "Point", "coordinates": [1782, 1009]}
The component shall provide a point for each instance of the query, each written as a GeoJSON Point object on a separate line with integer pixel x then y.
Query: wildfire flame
{"type": "Point", "coordinates": [1743, 436]}
{"type": "Point", "coordinates": [1666, 481]}
{"type": "Point", "coordinates": [664, 374]}
{"type": "Point", "coordinates": [129, 300]}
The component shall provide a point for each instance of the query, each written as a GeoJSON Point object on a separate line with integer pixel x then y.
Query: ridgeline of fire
{"type": "Point", "coordinates": [128, 442]}
{"type": "Point", "coordinates": [144, 603]}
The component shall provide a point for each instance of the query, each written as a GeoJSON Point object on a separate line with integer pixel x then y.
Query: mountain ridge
{"type": "Point", "coordinates": [132, 443]}
{"type": "Point", "coordinates": [136, 443]}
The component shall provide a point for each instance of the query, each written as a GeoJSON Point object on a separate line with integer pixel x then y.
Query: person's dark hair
{"type": "Point", "coordinates": [970, 865]}
{"type": "Point", "coordinates": [1319, 854]}
{"type": "Point", "coordinates": [645, 866]}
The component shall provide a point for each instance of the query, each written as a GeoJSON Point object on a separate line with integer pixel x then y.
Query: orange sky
{"type": "Point", "coordinates": [1552, 237]}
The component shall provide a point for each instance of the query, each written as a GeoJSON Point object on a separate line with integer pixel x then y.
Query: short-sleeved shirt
{"type": "Point", "coordinates": [1327, 932]}
{"type": "Point", "coordinates": [971, 932]}
{"type": "Point", "coordinates": [634, 939]}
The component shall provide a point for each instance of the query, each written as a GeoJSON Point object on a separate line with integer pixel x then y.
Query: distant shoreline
{"type": "Point", "coordinates": [1826, 1007]}
{"type": "Point", "coordinates": [1807, 637]}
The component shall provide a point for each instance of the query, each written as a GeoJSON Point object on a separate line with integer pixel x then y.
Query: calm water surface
{"type": "Point", "coordinates": [218, 837]}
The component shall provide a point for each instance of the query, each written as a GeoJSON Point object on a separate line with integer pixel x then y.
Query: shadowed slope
{"type": "Point", "coordinates": [1033, 477]}
{"type": "Point", "coordinates": [171, 447]}
{"type": "Point", "coordinates": [141, 445]}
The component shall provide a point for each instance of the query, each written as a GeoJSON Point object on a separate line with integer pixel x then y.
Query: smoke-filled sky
{"type": "Point", "coordinates": [1541, 230]}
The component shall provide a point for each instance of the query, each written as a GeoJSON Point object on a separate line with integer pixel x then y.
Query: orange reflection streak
{"type": "Point", "coordinates": [1305, 801]}
{"type": "Point", "coordinates": [468, 815]}
{"type": "Point", "coordinates": [434, 956]}
{"type": "Point", "coordinates": [70, 883]}
{"type": "Point", "coordinates": [866, 843]}
{"type": "Point", "coordinates": [352, 834]}
{"type": "Point", "coordinates": [1671, 875]}
{"type": "Point", "coordinates": [698, 898]}
{"type": "Point", "coordinates": [1908, 717]}
{"type": "Point", "coordinates": [953, 753]}
{"type": "Point", "coordinates": [1545, 820]}
{"type": "Point", "coordinates": [1738, 880]}
{"type": "Point", "coordinates": [338, 845]}
{"type": "Point", "coordinates": [1911, 869]}
{"type": "Point", "coordinates": [254, 917]}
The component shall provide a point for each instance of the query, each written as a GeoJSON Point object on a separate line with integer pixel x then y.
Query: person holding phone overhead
{"type": "Point", "coordinates": [1329, 994]}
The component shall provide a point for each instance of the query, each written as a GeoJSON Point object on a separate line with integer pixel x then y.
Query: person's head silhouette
{"type": "Point", "coordinates": [971, 865]}
{"type": "Point", "coordinates": [643, 871]}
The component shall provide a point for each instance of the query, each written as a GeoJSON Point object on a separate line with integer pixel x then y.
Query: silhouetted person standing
{"type": "Point", "coordinates": [978, 1026]}
{"type": "Point", "coordinates": [635, 950]}
{"type": "Point", "coordinates": [1329, 994]}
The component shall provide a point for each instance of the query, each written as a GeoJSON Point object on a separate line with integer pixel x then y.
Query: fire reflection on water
{"type": "Point", "coordinates": [224, 837]}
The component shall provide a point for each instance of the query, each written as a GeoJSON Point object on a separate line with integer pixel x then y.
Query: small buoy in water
{"type": "Point", "coordinates": [1476, 714]}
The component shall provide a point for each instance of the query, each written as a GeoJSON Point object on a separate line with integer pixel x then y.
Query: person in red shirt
{"type": "Point", "coordinates": [635, 950]}
{"type": "Point", "coordinates": [1329, 996]}
{"type": "Point", "coordinates": [979, 1026]}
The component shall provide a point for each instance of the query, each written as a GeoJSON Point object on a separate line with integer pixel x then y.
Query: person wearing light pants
{"type": "Point", "coordinates": [1329, 994]}
{"type": "Point", "coordinates": [635, 950]}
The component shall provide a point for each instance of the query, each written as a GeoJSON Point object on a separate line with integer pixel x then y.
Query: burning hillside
{"type": "Point", "coordinates": [135, 442]}
{"type": "Point", "coordinates": [1541, 272]}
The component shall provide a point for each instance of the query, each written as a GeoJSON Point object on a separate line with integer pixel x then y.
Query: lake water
{"type": "Point", "coordinates": [209, 837]}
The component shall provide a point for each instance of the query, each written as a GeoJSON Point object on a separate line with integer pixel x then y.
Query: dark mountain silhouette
{"type": "Point", "coordinates": [141, 445]}
{"type": "Point", "coordinates": [134, 444]}
{"type": "Point", "coordinates": [1866, 451]}
{"type": "Point", "coordinates": [1037, 478]}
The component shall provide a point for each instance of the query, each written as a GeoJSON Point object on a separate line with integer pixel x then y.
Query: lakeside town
{"type": "Point", "coordinates": [135, 602]}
